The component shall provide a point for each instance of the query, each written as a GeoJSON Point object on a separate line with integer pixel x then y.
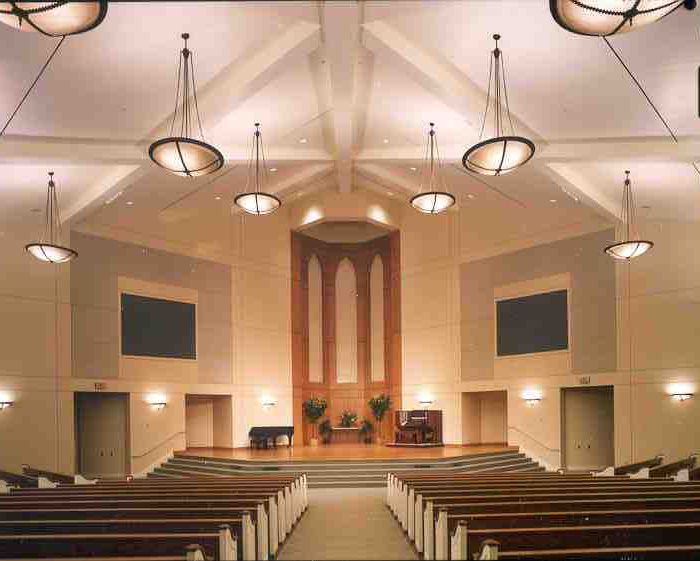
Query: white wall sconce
{"type": "Point", "coordinates": [425, 400]}
{"type": "Point", "coordinates": [268, 402]}
{"type": "Point", "coordinates": [157, 401]}
{"type": "Point", "coordinates": [680, 392]}
{"type": "Point", "coordinates": [532, 397]}
{"type": "Point", "coordinates": [6, 404]}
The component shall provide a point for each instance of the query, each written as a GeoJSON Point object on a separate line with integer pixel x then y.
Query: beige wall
{"type": "Point", "coordinates": [653, 325]}
{"type": "Point", "coordinates": [484, 417]}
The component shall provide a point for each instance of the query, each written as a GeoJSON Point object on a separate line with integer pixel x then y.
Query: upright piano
{"type": "Point", "coordinates": [261, 437]}
{"type": "Point", "coordinates": [418, 427]}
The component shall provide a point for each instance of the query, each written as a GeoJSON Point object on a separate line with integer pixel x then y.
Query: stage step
{"type": "Point", "coordinates": [346, 473]}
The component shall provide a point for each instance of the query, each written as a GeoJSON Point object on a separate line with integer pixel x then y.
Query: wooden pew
{"type": "Point", "coordinates": [629, 469]}
{"type": "Point", "coordinates": [115, 545]}
{"type": "Point", "coordinates": [52, 476]}
{"type": "Point", "coordinates": [256, 534]}
{"type": "Point", "coordinates": [552, 519]}
{"type": "Point", "coordinates": [561, 538]}
{"type": "Point", "coordinates": [18, 480]}
{"type": "Point", "coordinates": [669, 470]}
{"type": "Point", "coordinates": [228, 545]}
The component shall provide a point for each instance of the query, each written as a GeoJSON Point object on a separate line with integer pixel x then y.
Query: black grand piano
{"type": "Point", "coordinates": [262, 437]}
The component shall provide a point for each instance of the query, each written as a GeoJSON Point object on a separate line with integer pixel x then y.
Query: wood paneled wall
{"type": "Point", "coordinates": [351, 396]}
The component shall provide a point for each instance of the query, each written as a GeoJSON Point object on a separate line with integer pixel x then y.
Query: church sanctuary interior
{"type": "Point", "coordinates": [349, 279]}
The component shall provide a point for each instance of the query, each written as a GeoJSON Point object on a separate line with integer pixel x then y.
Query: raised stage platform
{"type": "Point", "coordinates": [346, 452]}
{"type": "Point", "coordinates": [345, 465]}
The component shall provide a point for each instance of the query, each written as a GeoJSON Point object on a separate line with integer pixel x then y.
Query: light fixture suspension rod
{"type": "Point", "coordinates": [644, 93]}
{"type": "Point", "coordinates": [257, 157]}
{"type": "Point", "coordinates": [432, 155]}
{"type": "Point", "coordinates": [29, 90]}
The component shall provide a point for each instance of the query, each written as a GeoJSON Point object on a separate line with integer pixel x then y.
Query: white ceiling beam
{"type": "Point", "coordinates": [39, 149]}
{"type": "Point", "coordinates": [341, 41]}
{"type": "Point", "coordinates": [437, 75]}
{"type": "Point", "coordinates": [247, 75]}
{"type": "Point", "coordinates": [610, 149]}
{"type": "Point", "coordinates": [304, 180]}
{"type": "Point", "coordinates": [107, 189]}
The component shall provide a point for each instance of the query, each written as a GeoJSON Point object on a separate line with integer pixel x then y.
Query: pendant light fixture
{"type": "Point", "coordinates": [631, 246]}
{"type": "Point", "coordinates": [435, 199]}
{"type": "Point", "coordinates": [610, 17]}
{"type": "Point", "coordinates": [503, 152]}
{"type": "Point", "coordinates": [55, 19]}
{"type": "Point", "coordinates": [254, 200]}
{"type": "Point", "coordinates": [180, 153]}
{"type": "Point", "coordinates": [49, 248]}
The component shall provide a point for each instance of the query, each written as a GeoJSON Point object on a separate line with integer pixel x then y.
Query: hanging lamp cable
{"type": "Point", "coordinates": [29, 90]}
{"type": "Point", "coordinates": [644, 93]}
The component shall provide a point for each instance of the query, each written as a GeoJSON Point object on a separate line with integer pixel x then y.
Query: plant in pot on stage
{"type": "Point", "coordinates": [379, 405]}
{"type": "Point", "coordinates": [348, 419]}
{"type": "Point", "coordinates": [366, 429]}
{"type": "Point", "coordinates": [314, 408]}
{"type": "Point", "coordinates": [325, 430]}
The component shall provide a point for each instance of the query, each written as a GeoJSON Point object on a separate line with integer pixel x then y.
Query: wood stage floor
{"type": "Point", "coordinates": [344, 452]}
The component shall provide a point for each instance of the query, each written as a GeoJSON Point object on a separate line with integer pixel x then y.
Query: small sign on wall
{"type": "Point", "coordinates": [100, 386]}
{"type": "Point", "coordinates": [584, 380]}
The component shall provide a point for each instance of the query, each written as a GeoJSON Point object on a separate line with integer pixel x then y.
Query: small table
{"type": "Point", "coordinates": [345, 434]}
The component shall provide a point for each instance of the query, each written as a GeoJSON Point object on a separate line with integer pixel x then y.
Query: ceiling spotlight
{"type": "Point", "coordinates": [552, 201]}
{"type": "Point", "coordinates": [180, 153]}
{"type": "Point", "coordinates": [413, 168]}
{"type": "Point", "coordinates": [593, 17]}
{"type": "Point", "coordinates": [631, 246]}
{"type": "Point", "coordinates": [130, 203]}
{"type": "Point", "coordinates": [55, 19]}
{"type": "Point", "coordinates": [303, 140]}
{"type": "Point", "coordinates": [504, 151]}
{"type": "Point", "coordinates": [49, 248]}
{"type": "Point", "coordinates": [217, 198]}
{"type": "Point", "coordinates": [273, 170]}
{"type": "Point", "coordinates": [470, 196]}
{"type": "Point", "coordinates": [385, 141]}
{"type": "Point", "coordinates": [435, 199]}
{"type": "Point", "coordinates": [255, 200]}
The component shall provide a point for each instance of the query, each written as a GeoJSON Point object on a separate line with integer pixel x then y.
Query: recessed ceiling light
{"type": "Point", "coordinates": [413, 168]}
{"type": "Point", "coordinates": [552, 200]}
{"type": "Point", "coordinates": [130, 203]}
{"type": "Point", "coordinates": [390, 193]}
{"type": "Point", "coordinates": [470, 196]}
{"type": "Point", "coordinates": [218, 197]}
{"type": "Point", "coordinates": [273, 170]}
{"type": "Point", "coordinates": [385, 141]}
{"type": "Point", "coordinates": [303, 140]}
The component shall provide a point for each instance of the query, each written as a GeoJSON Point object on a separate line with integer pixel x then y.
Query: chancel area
{"type": "Point", "coordinates": [349, 280]}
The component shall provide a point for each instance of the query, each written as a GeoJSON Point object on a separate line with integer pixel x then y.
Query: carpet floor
{"type": "Point", "coordinates": [347, 524]}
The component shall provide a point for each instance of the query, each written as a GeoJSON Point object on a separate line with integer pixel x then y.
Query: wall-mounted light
{"type": "Point", "coordinates": [157, 400]}
{"type": "Point", "coordinates": [5, 404]}
{"type": "Point", "coordinates": [425, 400]}
{"type": "Point", "coordinates": [531, 397]}
{"type": "Point", "coordinates": [268, 402]}
{"type": "Point", "coordinates": [680, 391]}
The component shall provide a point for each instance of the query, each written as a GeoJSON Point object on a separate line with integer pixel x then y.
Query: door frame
{"type": "Point", "coordinates": [562, 416]}
{"type": "Point", "coordinates": [126, 402]}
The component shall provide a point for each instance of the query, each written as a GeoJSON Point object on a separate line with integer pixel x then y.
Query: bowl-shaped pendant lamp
{"type": "Point", "coordinates": [610, 17]}
{"type": "Point", "coordinates": [631, 245]}
{"type": "Point", "coordinates": [49, 248]}
{"type": "Point", "coordinates": [55, 19]}
{"type": "Point", "coordinates": [504, 151]}
{"type": "Point", "coordinates": [180, 153]}
{"type": "Point", "coordinates": [433, 197]}
{"type": "Point", "coordinates": [254, 200]}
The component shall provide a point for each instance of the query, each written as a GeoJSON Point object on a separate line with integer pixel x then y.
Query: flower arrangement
{"type": "Point", "coordinates": [348, 419]}
{"type": "Point", "coordinates": [314, 408]}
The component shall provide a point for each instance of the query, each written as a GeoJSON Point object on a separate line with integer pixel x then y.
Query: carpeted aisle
{"type": "Point", "coordinates": [347, 524]}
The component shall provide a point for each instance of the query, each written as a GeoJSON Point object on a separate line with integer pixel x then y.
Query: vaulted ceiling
{"type": "Point", "coordinates": [344, 92]}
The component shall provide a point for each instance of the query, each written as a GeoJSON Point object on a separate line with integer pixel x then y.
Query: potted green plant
{"type": "Point", "coordinates": [366, 429]}
{"type": "Point", "coordinates": [348, 419]}
{"type": "Point", "coordinates": [379, 405]}
{"type": "Point", "coordinates": [314, 408]}
{"type": "Point", "coordinates": [325, 430]}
